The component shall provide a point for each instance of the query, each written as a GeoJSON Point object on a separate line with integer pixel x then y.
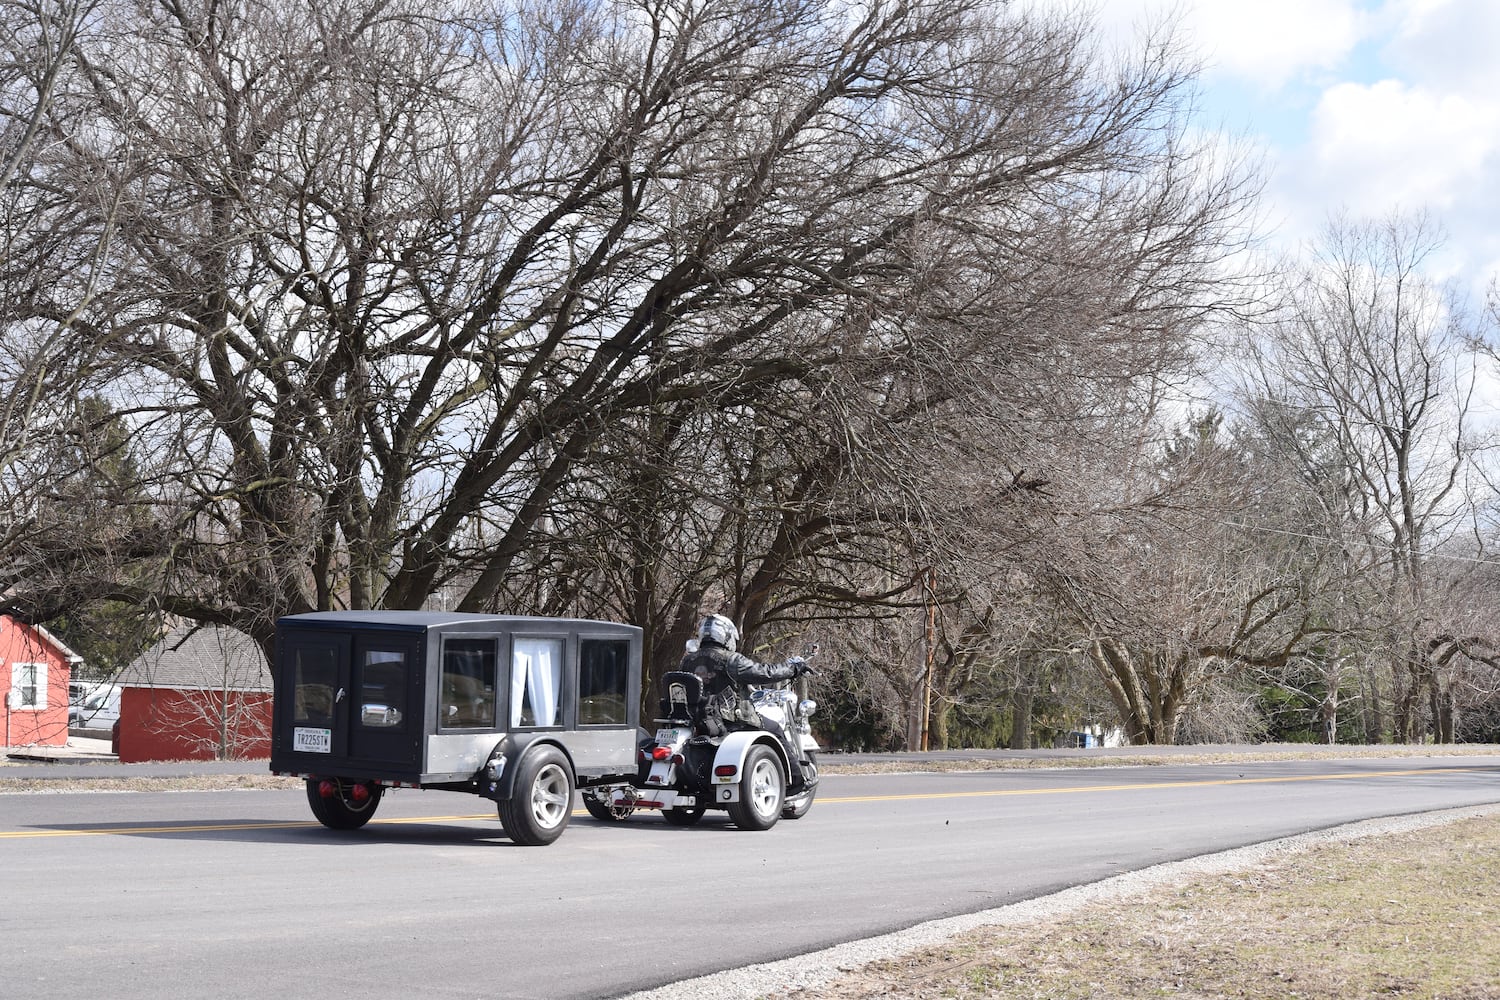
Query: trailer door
{"type": "Point", "coordinates": [385, 711]}
{"type": "Point", "coordinates": [315, 671]}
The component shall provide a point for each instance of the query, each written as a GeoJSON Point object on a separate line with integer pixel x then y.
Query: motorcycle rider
{"type": "Point", "coordinates": [728, 674]}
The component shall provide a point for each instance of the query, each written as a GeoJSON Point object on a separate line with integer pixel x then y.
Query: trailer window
{"type": "Point", "coordinates": [317, 673]}
{"type": "Point", "coordinates": [382, 689]}
{"type": "Point", "coordinates": [468, 685]}
{"type": "Point", "coordinates": [603, 673]}
{"type": "Point", "coordinates": [535, 682]}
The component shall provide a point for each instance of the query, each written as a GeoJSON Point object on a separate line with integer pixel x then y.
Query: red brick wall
{"type": "Point", "coordinates": [167, 724]}
{"type": "Point", "coordinates": [48, 726]}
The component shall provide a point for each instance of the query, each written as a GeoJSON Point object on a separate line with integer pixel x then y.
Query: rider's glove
{"type": "Point", "coordinates": [798, 664]}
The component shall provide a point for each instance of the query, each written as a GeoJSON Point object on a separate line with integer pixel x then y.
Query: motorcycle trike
{"type": "Point", "coordinates": [692, 763]}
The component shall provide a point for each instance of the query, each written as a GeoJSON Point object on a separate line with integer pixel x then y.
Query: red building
{"type": "Point", "coordinates": [201, 693]}
{"type": "Point", "coordinates": [34, 672]}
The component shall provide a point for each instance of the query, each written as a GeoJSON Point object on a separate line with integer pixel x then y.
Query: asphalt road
{"type": "Point", "coordinates": [238, 894]}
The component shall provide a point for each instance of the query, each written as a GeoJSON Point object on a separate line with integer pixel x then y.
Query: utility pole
{"type": "Point", "coordinates": [929, 598]}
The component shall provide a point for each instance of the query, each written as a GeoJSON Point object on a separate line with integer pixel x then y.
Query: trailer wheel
{"type": "Point", "coordinates": [605, 811]}
{"type": "Point", "coordinates": [683, 815]}
{"type": "Point", "coordinates": [344, 808]}
{"type": "Point", "coordinates": [541, 802]}
{"type": "Point", "coordinates": [762, 790]}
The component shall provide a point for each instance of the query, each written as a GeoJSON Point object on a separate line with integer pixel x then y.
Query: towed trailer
{"type": "Point", "coordinates": [519, 710]}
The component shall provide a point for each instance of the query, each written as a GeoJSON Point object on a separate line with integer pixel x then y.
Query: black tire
{"type": "Point", "coordinates": [684, 815]}
{"type": "Point", "coordinates": [341, 810]}
{"type": "Point", "coordinates": [603, 811]}
{"type": "Point", "coordinates": [540, 801]}
{"type": "Point", "coordinates": [798, 805]}
{"type": "Point", "coordinates": [762, 790]}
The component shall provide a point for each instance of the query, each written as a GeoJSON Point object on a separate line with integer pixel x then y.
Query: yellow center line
{"type": "Point", "coordinates": [127, 831]}
{"type": "Point", "coordinates": [1207, 783]}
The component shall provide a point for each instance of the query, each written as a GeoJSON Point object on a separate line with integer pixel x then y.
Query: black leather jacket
{"type": "Point", "coordinates": [728, 676]}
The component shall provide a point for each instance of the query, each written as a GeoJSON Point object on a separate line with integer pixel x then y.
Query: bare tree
{"type": "Point", "coordinates": [1373, 359]}
{"type": "Point", "coordinates": [38, 39]}
{"type": "Point", "coordinates": [36, 42]}
{"type": "Point", "coordinates": [914, 481]}
{"type": "Point", "coordinates": [1170, 590]}
{"type": "Point", "coordinates": [635, 308]}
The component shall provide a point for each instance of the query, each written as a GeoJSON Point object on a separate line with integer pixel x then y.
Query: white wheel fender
{"type": "Point", "coordinates": [734, 750]}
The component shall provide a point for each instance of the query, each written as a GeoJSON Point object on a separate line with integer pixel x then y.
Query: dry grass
{"type": "Point", "coordinates": [1404, 915]}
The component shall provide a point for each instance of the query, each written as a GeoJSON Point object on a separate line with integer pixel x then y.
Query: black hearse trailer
{"type": "Point", "coordinates": [515, 709]}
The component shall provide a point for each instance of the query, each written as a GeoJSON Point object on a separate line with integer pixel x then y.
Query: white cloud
{"type": "Point", "coordinates": [1261, 43]}
{"type": "Point", "coordinates": [1364, 106]}
{"type": "Point", "coordinates": [1409, 122]}
{"type": "Point", "coordinates": [1392, 143]}
{"type": "Point", "coordinates": [1270, 42]}
{"type": "Point", "coordinates": [1447, 43]}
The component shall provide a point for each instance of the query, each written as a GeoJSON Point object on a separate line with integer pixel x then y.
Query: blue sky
{"type": "Point", "coordinates": [1363, 106]}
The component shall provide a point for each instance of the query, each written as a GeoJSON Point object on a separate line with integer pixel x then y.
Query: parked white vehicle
{"type": "Point", "coordinates": [99, 708]}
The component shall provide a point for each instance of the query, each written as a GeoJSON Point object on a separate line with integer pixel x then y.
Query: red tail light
{"type": "Point", "coordinates": [326, 789]}
{"type": "Point", "coordinates": [726, 770]}
{"type": "Point", "coordinates": [661, 753]}
{"type": "Point", "coordinates": [360, 792]}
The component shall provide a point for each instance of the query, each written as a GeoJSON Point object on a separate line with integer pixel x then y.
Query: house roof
{"type": "Point", "coordinates": [67, 653]}
{"type": "Point", "coordinates": [52, 640]}
{"type": "Point", "coordinates": [204, 657]}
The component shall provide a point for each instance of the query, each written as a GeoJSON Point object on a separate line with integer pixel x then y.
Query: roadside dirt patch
{"type": "Point", "coordinates": [130, 783]}
{"type": "Point", "coordinates": [1408, 914]}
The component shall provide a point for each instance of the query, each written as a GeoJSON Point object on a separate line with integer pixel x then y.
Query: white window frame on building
{"type": "Point", "coordinates": [36, 700]}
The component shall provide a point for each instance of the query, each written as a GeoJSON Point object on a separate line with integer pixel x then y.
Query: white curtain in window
{"type": "Point", "coordinates": [536, 670]}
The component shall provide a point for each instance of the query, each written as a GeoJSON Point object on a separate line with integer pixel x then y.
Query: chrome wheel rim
{"type": "Point", "coordinates": [765, 787]}
{"type": "Point", "coordinates": [550, 796]}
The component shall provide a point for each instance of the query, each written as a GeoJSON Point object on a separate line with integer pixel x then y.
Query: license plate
{"type": "Point", "coordinates": [312, 740]}
{"type": "Point", "coordinates": [670, 736]}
